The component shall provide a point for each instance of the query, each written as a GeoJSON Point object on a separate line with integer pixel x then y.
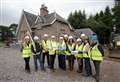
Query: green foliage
{"type": "Point", "coordinates": [101, 23]}
{"type": "Point", "coordinates": [13, 28]}
{"type": "Point", "coordinates": [6, 32]}
{"type": "Point", "coordinates": [77, 19]}
{"type": "Point", "coordinates": [116, 12]}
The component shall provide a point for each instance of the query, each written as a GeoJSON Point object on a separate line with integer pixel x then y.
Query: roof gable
{"type": "Point", "coordinates": [38, 21]}
{"type": "Point", "coordinates": [30, 18]}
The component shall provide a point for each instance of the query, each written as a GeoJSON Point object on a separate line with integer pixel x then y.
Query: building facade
{"type": "Point", "coordinates": [45, 23]}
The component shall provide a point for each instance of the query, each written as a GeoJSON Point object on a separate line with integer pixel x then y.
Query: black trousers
{"type": "Point", "coordinates": [27, 67]}
{"type": "Point", "coordinates": [52, 61]}
{"type": "Point", "coordinates": [61, 61]}
{"type": "Point", "coordinates": [37, 57]}
{"type": "Point", "coordinates": [45, 54]}
{"type": "Point", "coordinates": [97, 70]}
{"type": "Point", "coordinates": [71, 59]}
{"type": "Point", "coordinates": [80, 64]}
{"type": "Point", "coordinates": [87, 67]}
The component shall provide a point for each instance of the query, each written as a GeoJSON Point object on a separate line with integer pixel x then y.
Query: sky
{"type": "Point", "coordinates": [11, 10]}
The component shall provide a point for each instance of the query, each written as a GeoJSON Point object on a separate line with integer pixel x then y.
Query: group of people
{"type": "Point", "coordinates": [68, 49]}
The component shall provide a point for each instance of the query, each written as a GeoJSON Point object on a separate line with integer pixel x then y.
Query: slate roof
{"type": "Point", "coordinates": [30, 17]}
{"type": "Point", "coordinates": [37, 20]}
{"type": "Point", "coordinates": [86, 31]}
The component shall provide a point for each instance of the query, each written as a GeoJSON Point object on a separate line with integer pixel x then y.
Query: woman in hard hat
{"type": "Point", "coordinates": [79, 47]}
{"type": "Point", "coordinates": [26, 52]}
{"type": "Point", "coordinates": [86, 56]}
{"type": "Point", "coordinates": [69, 48]}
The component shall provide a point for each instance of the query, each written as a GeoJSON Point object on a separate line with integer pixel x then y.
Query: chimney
{"type": "Point", "coordinates": [43, 10]}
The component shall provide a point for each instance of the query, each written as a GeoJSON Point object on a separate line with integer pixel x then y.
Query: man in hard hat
{"type": "Point", "coordinates": [52, 51]}
{"type": "Point", "coordinates": [96, 54]}
{"type": "Point", "coordinates": [26, 52]}
{"type": "Point", "coordinates": [79, 47]}
{"type": "Point", "coordinates": [61, 54]}
{"type": "Point", "coordinates": [45, 45]}
{"type": "Point", "coordinates": [37, 51]}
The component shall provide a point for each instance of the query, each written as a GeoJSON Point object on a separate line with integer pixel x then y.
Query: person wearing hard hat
{"type": "Point", "coordinates": [83, 36]}
{"type": "Point", "coordinates": [45, 51]}
{"type": "Point", "coordinates": [96, 54]}
{"type": "Point", "coordinates": [26, 52]}
{"type": "Point", "coordinates": [86, 57]}
{"type": "Point", "coordinates": [66, 38]}
{"type": "Point", "coordinates": [79, 47]}
{"type": "Point", "coordinates": [70, 57]}
{"type": "Point", "coordinates": [37, 51]}
{"type": "Point", "coordinates": [52, 51]}
{"type": "Point", "coordinates": [61, 54]}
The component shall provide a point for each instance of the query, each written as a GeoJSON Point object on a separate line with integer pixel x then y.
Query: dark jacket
{"type": "Point", "coordinates": [38, 48]}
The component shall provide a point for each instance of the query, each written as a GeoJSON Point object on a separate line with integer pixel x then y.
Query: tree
{"type": "Point", "coordinates": [13, 28]}
{"type": "Point", "coordinates": [5, 32]}
{"type": "Point", "coordinates": [77, 19]}
{"type": "Point", "coordinates": [116, 12]}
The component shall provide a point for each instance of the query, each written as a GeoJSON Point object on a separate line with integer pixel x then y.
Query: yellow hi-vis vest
{"type": "Point", "coordinates": [70, 47]}
{"type": "Point", "coordinates": [53, 47]}
{"type": "Point", "coordinates": [85, 54]}
{"type": "Point", "coordinates": [95, 54]}
{"type": "Point", "coordinates": [61, 51]}
{"type": "Point", "coordinates": [79, 48]}
{"type": "Point", "coordinates": [45, 45]}
{"type": "Point", "coordinates": [26, 52]}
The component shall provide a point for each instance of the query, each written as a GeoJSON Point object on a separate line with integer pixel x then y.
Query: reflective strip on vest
{"type": "Point", "coordinates": [95, 54]}
{"type": "Point", "coordinates": [85, 54]}
{"type": "Point", "coordinates": [26, 51]}
{"type": "Point", "coordinates": [79, 48]}
{"type": "Point", "coordinates": [45, 45]}
{"type": "Point", "coordinates": [62, 46]}
{"type": "Point", "coordinates": [53, 47]}
{"type": "Point", "coordinates": [71, 47]}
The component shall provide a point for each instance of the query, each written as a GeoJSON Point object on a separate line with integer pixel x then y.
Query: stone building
{"type": "Point", "coordinates": [52, 24]}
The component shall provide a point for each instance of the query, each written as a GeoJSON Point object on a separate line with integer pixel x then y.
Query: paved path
{"type": "Point", "coordinates": [12, 70]}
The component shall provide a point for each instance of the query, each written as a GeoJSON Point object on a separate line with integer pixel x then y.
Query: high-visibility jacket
{"type": "Point", "coordinates": [61, 48]}
{"type": "Point", "coordinates": [53, 47]}
{"type": "Point", "coordinates": [26, 51]}
{"type": "Point", "coordinates": [45, 45]}
{"type": "Point", "coordinates": [85, 52]}
{"type": "Point", "coordinates": [70, 48]}
{"type": "Point", "coordinates": [79, 48]}
{"type": "Point", "coordinates": [95, 54]}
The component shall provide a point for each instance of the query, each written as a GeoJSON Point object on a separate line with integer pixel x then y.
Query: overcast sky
{"type": "Point", "coordinates": [10, 10]}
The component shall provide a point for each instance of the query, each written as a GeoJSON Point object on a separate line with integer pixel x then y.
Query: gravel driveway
{"type": "Point", "coordinates": [12, 70]}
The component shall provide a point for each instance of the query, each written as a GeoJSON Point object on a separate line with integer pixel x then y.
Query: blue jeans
{"type": "Point", "coordinates": [62, 61]}
{"type": "Point", "coordinates": [37, 57]}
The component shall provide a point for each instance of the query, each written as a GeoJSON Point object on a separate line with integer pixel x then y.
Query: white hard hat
{"type": "Point", "coordinates": [45, 35]}
{"type": "Point", "coordinates": [65, 35]}
{"type": "Point", "coordinates": [27, 37]}
{"type": "Point", "coordinates": [36, 38]}
{"type": "Point", "coordinates": [61, 38]}
{"type": "Point", "coordinates": [52, 36]}
{"type": "Point", "coordinates": [79, 40]}
{"type": "Point", "coordinates": [70, 37]}
{"type": "Point", "coordinates": [82, 35]}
